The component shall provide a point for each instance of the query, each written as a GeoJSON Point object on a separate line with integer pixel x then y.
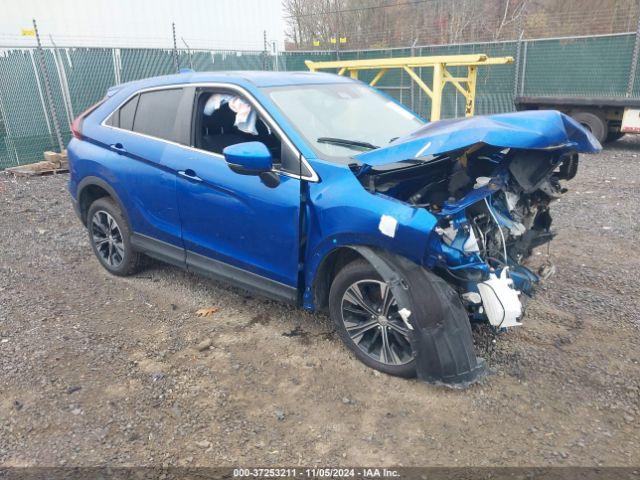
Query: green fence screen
{"type": "Point", "coordinates": [586, 66]}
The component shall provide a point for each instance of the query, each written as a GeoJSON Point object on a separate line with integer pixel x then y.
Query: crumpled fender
{"type": "Point", "coordinates": [345, 214]}
{"type": "Point", "coordinates": [442, 339]}
{"type": "Point", "coordinates": [531, 130]}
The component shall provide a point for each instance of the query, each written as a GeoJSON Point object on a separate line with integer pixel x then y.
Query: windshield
{"type": "Point", "coordinates": [343, 119]}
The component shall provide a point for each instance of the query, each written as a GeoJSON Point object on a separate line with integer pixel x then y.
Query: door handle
{"type": "Point", "coordinates": [189, 175]}
{"type": "Point", "coordinates": [118, 148]}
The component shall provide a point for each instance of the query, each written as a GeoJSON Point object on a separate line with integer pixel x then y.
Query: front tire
{"type": "Point", "coordinates": [110, 238]}
{"type": "Point", "coordinates": [366, 317]}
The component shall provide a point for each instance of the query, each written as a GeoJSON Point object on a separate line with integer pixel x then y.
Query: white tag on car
{"type": "Point", "coordinates": [388, 225]}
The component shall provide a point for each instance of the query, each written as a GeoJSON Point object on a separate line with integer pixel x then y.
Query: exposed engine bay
{"type": "Point", "coordinates": [492, 207]}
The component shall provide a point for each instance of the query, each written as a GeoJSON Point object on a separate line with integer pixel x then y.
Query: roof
{"type": "Point", "coordinates": [257, 78]}
{"type": "Point", "coordinates": [270, 79]}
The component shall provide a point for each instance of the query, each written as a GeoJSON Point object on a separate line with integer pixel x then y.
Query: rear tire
{"type": "Point", "coordinates": [110, 238]}
{"type": "Point", "coordinates": [393, 356]}
{"type": "Point", "coordinates": [594, 123]}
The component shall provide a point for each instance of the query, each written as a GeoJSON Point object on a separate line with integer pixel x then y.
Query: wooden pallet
{"type": "Point", "coordinates": [53, 163]}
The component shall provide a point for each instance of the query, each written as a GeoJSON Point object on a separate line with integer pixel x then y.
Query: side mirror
{"type": "Point", "coordinates": [249, 158]}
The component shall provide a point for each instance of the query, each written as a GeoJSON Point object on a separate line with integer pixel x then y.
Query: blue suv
{"type": "Point", "coordinates": [318, 190]}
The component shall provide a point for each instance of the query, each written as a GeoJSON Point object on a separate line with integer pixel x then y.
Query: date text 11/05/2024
{"type": "Point", "coordinates": [315, 472]}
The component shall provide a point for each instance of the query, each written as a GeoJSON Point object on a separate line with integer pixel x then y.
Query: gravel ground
{"type": "Point", "coordinates": [99, 370]}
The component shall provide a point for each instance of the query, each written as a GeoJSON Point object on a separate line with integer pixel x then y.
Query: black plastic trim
{"type": "Point", "coordinates": [214, 268]}
{"type": "Point", "coordinates": [158, 249]}
{"type": "Point", "coordinates": [442, 338]}
{"type": "Point", "coordinates": [182, 128]}
{"type": "Point", "coordinates": [242, 278]}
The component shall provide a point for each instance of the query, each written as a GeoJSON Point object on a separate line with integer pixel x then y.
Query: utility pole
{"type": "Point", "coordinates": [276, 55]}
{"type": "Point", "coordinates": [412, 84]}
{"type": "Point", "coordinates": [188, 52]}
{"type": "Point", "coordinates": [176, 63]}
{"type": "Point", "coordinates": [64, 83]}
{"type": "Point", "coordinates": [47, 89]}
{"type": "Point", "coordinates": [264, 50]}
{"type": "Point", "coordinates": [516, 80]}
{"type": "Point", "coordinates": [634, 62]}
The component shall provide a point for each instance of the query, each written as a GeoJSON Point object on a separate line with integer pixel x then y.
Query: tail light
{"type": "Point", "coordinates": [76, 126]}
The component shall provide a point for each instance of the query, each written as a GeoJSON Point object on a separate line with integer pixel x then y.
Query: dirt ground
{"type": "Point", "coordinates": [99, 370]}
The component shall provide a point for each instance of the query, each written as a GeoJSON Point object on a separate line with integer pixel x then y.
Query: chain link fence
{"type": "Point", "coordinates": [576, 66]}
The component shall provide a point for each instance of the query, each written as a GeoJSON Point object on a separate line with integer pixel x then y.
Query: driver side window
{"type": "Point", "coordinates": [225, 118]}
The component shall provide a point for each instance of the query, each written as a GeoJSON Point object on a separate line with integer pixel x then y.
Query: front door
{"type": "Point", "coordinates": [234, 226]}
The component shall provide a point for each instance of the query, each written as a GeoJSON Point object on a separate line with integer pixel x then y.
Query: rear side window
{"type": "Point", "coordinates": [123, 117]}
{"type": "Point", "coordinates": [156, 114]}
{"type": "Point", "coordinates": [127, 112]}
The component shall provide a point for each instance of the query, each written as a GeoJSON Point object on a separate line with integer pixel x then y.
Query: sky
{"type": "Point", "coordinates": [210, 24]}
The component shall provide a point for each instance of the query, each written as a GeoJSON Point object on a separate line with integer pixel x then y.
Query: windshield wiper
{"type": "Point", "coordinates": [346, 142]}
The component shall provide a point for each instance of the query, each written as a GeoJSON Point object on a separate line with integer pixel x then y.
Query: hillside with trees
{"type": "Point", "coordinates": [320, 24]}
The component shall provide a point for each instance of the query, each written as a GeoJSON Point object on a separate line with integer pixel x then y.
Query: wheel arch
{"type": "Point", "coordinates": [328, 268]}
{"type": "Point", "coordinates": [90, 189]}
{"type": "Point", "coordinates": [341, 256]}
{"type": "Point", "coordinates": [443, 343]}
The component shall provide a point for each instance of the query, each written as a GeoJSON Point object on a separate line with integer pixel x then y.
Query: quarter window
{"type": "Point", "coordinates": [127, 112]}
{"type": "Point", "coordinates": [123, 117]}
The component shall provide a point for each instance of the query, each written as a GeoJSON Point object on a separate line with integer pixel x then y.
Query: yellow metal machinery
{"type": "Point", "coordinates": [441, 75]}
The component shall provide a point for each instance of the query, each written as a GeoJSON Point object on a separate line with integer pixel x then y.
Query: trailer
{"type": "Point", "coordinates": [608, 118]}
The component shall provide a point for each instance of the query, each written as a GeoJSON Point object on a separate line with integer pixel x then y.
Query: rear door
{"type": "Point", "coordinates": [142, 130]}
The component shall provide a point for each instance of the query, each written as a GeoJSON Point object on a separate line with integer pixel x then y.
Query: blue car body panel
{"type": "Point", "coordinates": [342, 213]}
{"type": "Point", "coordinates": [237, 220]}
{"type": "Point", "coordinates": [145, 186]}
{"type": "Point", "coordinates": [532, 130]}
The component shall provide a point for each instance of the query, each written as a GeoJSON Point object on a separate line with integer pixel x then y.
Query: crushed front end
{"type": "Point", "coordinates": [488, 229]}
{"type": "Point", "coordinates": [489, 182]}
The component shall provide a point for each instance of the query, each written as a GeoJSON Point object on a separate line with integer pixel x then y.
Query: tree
{"type": "Point", "coordinates": [400, 23]}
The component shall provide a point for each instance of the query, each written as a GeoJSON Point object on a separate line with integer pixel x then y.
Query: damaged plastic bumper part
{"type": "Point", "coordinates": [488, 182]}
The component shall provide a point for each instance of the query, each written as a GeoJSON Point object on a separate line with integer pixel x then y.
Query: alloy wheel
{"type": "Point", "coordinates": [107, 238]}
{"type": "Point", "coordinates": [370, 316]}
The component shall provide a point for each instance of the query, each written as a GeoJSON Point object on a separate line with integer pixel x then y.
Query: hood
{"type": "Point", "coordinates": [530, 130]}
